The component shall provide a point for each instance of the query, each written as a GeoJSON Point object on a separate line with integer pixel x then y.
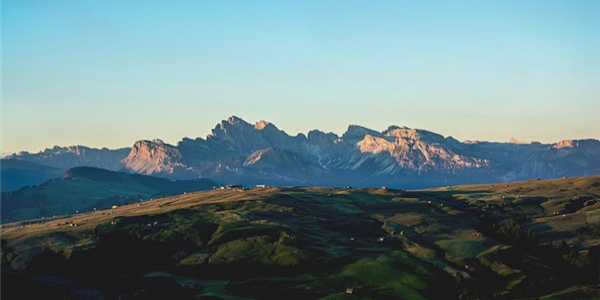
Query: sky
{"type": "Point", "coordinates": [108, 73]}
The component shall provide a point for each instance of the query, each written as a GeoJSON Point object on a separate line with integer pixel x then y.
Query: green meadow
{"type": "Point", "coordinates": [525, 240]}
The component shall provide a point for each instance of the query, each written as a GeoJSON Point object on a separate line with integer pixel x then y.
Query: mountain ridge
{"type": "Point", "coordinates": [397, 156]}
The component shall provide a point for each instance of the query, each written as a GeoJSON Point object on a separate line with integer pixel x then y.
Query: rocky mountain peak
{"type": "Point", "coordinates": [587, 144]}
{"type": "Point", "coordinates": [405, 133]}
{"type": "Point", "coordinates": [566, 144]}
{"type": "Point", "coordinates": [375, 145]}
{"type": "Point", "coordinates": [318, 136]}
{"type": "Point", "coordinates": [152, 149]}
{"type": "Point", "coordinates": [356, 133]}
{"type": "Point", "coordinates": [394, 127]}
{"type": "Point", "coordinates": [233, 120]}
{"type": "Point", "coordinates": [150, 157]}
{"type": "Point", "coordinates": [260, 125]}
{"type": "Point", "coordinates": [229, 128]}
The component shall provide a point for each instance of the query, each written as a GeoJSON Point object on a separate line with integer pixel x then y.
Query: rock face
{"type": "Point", "coordinates": [156, 158]}
{"type": "Point", "coordinates": [239, 152]}
{"type": "Point", "coordinates": [421, 150]}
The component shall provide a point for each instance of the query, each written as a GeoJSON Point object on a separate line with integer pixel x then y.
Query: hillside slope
{"type": "Point", "coordinates": [15, 174]}
{"type": "Point", "coordinates": [85, 189]}
{"type": "Point", "coordinates": [500, 241]}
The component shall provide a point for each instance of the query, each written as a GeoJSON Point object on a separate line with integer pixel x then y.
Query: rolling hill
{"type": "Point", "coordinates": [531, 239]}
{"type": "Point", "coordinates": [85, 189]}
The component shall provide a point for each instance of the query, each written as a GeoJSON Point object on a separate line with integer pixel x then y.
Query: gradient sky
{"type": "Point", "coordinates": [108, 73]}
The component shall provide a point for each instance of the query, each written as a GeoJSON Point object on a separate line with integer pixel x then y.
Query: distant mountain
{"type": "Point", "coordinates": [237, 151]}
{"type": "Point", "coordinates": [86, 188]}
{"type": "Point", "coordinates": [156, 158]}
{"type": "Point", "coordinates": [24, 168]}
{"type": "Point", "coordinates": [76, 156]}
{"type": "Point", "coordinates": [16, 174]}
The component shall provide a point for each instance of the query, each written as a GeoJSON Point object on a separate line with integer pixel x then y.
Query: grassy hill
{"type": "Point", "coordinates": [503, 241]}
{"type": "Point", "coordinates": [86, 189]}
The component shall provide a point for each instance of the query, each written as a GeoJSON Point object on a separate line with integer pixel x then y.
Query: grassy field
{"type": "Point", "coordinates": [501, 241]}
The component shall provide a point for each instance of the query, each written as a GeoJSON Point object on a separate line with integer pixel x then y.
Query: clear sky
{"type": "Point", "coordinates": [108, 73]}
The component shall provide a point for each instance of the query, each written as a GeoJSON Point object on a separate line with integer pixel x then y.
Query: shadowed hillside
{"type": "Point", "coordinates": [86, 189]}
{"type": "Point", "coordinates": [501, 241]}
{"type": "Point", "coordinates": [15, 174]}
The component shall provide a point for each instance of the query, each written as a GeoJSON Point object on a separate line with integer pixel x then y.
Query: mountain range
{"type": "Point", "coordinates": [239, 152]}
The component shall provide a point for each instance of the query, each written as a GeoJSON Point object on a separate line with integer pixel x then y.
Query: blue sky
{"type": "Point", "coordinates": [108, 73]}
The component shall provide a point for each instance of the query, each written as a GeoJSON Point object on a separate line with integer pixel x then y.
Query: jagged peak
{"type": "Point", "coordinates": [260, 125]}
{"type": "Point", "coordinates": [357, 133]}
{"type": "Point", "coordinates": [142, 142]}
{"type": "Point", "coordinates": [402, 132]}
{"type": "Point", "coordinates": [375, 144]}
{"type": "Point", "coordinates": [414, 134]}
{"type": "Point", "coordinates": [315, 133]}
{"type": "Point", "coordinates": [225, 125]}
{"type": "Point", "coordinates": [393, 128]}
{"type": "Point", "coordinates": [564, 144]}
{"type": "Point", "coordinates": [234, 120]}
{"type": "Point", "coordinates": [231, 121]}
{"type": "Point", "coordinates": [56, 148]}
{"type": "Point", "coordinates": [155, 143]}
{"type": "Point", "coordinates": [574, 143]}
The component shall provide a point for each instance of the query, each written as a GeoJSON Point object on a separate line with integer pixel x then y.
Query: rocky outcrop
{"type": "Point", "coordinates": [589, 144]}
{"type": "Point", "coordinates": [418, 150]}
{"type": "Point", "coordinates": [156, 158]}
